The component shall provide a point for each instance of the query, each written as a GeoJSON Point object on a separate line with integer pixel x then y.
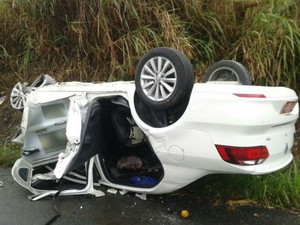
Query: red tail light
{"type": "Point", "coordinates": [243, 155]}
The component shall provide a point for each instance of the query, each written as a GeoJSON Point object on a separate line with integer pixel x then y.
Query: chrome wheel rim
{"type": "Point", "coordinates": [158, 78]}
{"type": "Point", "coordinates": [17, 97]}
{"type": "Point", "coordinates": [224, 74]}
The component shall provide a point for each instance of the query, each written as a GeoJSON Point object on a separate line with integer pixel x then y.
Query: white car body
{"type": "Point", "coordinates": [217, 114]}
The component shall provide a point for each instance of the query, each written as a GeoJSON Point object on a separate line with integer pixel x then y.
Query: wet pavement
{"type": "Point", "coordinates": [115, 209]}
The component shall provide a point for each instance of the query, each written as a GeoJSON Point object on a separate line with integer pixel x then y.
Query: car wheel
{"type": "Point", "coordinates": [163, 78]}
{"type": "Point", "coordinates": [228, 70]}
{"type": "Point", "coordinates": [18, 96]}
{"type": "Point", "coordinates": [20, 90]}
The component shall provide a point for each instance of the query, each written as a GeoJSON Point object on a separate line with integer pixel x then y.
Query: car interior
{"type": "Point", "coordinates": [126, 156]}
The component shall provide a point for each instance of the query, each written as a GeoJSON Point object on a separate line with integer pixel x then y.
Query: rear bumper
{"type": "Point", "coordinates": [273, 166]}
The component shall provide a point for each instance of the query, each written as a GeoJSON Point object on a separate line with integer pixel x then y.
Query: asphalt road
{"type": "Point", "coordinates": [16, 209]}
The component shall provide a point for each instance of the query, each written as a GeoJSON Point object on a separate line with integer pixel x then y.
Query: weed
{"type": "Point", "coordinates": [281, 189]}
{"type": "Point", "coordinates": [9, 154]}
{"type": "Point", "coordinates": [103, 40]}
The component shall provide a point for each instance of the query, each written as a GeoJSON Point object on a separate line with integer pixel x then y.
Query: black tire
{"type": "Point", "coordinates": [228, 70]}
{"type": "Point", "coordinates": [164, 77]}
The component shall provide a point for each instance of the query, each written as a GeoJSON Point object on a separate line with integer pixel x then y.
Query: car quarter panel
{"type": "Point", "coordinates": [215, 115]}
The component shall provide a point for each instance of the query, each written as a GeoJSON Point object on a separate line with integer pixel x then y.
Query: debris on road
{"type": "Point", "coordinates": [112, 191]}
{"type": "Point", "coordinates": [123, 192]}
{"type": "Point", "coordinates": [2, 99]}
{"type": "Point", "coordinates": [99, 193]}
{"type": "Point", "coordinates": [185, 214]}
{"type": "Point", "coordinates": [243, 202]}
{"type": "Point", "coordinates": [141, 196]}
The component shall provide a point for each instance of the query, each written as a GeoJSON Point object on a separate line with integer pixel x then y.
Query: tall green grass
{"type": "Point", "coordinates": [280, 189]}
{"type": "Point", "coordinates": [103, 40]}
{"type": "Point", "coordinates": [270, 48]}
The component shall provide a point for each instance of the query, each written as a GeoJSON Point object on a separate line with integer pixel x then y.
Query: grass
{"type": "Point", "coordinates": [280, 189]}
{"type": "Point", "coordinates": [8, 155]}
{"type": "Point", "coordinates": [103, 40]}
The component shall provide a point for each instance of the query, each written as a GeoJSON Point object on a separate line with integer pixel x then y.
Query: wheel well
{"type": "Point", "coordinates": [160, 117]}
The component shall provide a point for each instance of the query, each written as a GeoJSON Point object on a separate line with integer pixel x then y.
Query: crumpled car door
{"type": "Point", "coordinates": [76, 117]}
{"type": "Point", "coordinates": [85, 136]}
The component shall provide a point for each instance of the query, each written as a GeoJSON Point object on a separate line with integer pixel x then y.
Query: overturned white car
{"type": "Point", "coordinates": [154, 135]}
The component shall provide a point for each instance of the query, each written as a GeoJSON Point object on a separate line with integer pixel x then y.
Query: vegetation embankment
{"type": "Point", "coordinates": [280, 189]}
{"type": "Point", "coordinates": [103, 40]}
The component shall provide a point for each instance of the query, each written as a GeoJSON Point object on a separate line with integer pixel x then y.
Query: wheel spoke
{"type": "Point", "coordinates": [147, 77]}
{"type": "Point", "coordinates": [15, 93]}
{"type": "Point", "coordinates": [148, 84]}
{"type": "Point", "coordinates": [162, 91]}
{"type": "Point", "coordinates": [153, 65]}
{"type": "Point", "coordinates": [156, 91]}
{"type": "Point", "coordinates": [170, 80]}
{"type": "Point", "coordinates": [20, 103]}
{"type": "Point", "coordinates": [167, 63]}
{"type": "Point", "coordinates": [167, 86]}
{"type": "Point", "coordinates": [14, 100]}
{"type": "Point", "coordinates": [149, 70]}
{"type": "Point", "coordinates": [159, 61]}
{"type": "Point", "coordinates": [171, 71]}
{"type": "Point", "coordinates": [151, 90]}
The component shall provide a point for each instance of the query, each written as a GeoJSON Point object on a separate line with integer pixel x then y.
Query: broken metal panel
{"type": "Point", "coordinates": [37, 97]}
{"type": "Point", "coordinates": [2, 99]}
{"type": "Point", "coordinates": [43, 131]}
{"type": "Point", "coordinates": [20, 138]}
{"type": "Point", "coordinates": [43, 80]}
{"type": "Point", "coordinates": [77, 114]}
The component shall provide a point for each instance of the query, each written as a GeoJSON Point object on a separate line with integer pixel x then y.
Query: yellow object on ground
{"type": "Point", "coordinates": [185, 214]}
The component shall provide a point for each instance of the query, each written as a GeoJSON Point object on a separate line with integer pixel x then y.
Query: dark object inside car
{"type": "Point", "coordinates": [111, 133]}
